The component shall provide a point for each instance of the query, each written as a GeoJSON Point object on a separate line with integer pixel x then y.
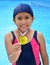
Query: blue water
{"type": "Point", "coordinates": [41, 23]}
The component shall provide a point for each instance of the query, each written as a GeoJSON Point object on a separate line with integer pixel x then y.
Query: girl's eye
{"type": "Point", "coordinates": [19, 18]}
{"type": "Point", "coordinates": [26, 17]}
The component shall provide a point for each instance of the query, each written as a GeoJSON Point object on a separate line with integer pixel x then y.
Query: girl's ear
{"type": "Point", "coordinates": [32, 18]}
{"type": "Point", "coordinates": [13, 19]}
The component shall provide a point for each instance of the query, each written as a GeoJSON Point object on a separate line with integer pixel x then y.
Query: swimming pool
{"type": "Point", "coordinates": [41, 23]}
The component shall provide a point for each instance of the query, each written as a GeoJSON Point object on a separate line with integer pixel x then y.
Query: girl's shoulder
{"type": "Point", "coordinates": [8, 36]}
{"type": "Point", "coordinates": [40, 37]}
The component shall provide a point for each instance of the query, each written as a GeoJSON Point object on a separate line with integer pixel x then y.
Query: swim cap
{"type": "Point", "coordinates": [22, 8]}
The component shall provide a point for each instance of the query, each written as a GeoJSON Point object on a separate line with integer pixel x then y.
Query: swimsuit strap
{"type": "Point", "coordinates": [14, 37]}
{"type": "Point", "coordinates": [35, 36]}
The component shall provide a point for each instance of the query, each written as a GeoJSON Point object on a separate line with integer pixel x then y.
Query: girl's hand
{"type": "Point", "coordinates": [17, 47]}
{"type": "Point", "coordinates": [13, 57]}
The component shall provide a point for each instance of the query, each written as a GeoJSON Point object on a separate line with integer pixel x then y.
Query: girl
{"type": "Point", "coordinates": [24, 45]}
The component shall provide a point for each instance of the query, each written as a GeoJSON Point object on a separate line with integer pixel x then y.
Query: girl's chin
{"type": "Point", "coordinates": [23, 30]}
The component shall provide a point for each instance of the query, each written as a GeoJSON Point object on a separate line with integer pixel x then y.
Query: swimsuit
{"type": "Point", "coordinates": [30, 52]}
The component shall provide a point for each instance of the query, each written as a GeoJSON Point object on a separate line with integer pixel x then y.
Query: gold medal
{"type": "Point", "coordinates": [23, 40]}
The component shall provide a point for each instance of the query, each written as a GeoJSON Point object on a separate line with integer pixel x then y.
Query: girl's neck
{"type": "Point", "coordinates": [23, 33]}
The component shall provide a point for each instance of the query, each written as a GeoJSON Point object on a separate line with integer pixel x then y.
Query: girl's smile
{"type": "Point", "coordinates": [23, 21]}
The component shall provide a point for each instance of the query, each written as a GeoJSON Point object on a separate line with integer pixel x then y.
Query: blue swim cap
{"type": "Point", "coordinates": [22, 8]}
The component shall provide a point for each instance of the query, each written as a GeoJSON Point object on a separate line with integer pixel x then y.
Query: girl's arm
{"type": "Point", "coordinates": [13, 50]}
{"type": "Point", "coordinates": [43, 49]}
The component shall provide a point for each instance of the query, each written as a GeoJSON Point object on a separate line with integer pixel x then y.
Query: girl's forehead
{"type": "Point", "coordinates": [23, 14]}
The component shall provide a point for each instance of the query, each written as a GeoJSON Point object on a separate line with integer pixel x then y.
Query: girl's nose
{"type": "Point", "coordinates": [23, 21]}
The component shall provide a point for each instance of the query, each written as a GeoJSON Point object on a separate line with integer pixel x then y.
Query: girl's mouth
{"type": "Point", "coordinates": [23, 26]}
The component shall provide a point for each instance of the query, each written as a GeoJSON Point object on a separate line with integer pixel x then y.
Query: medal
{"type": "Point", "coordinates": [23, 40]}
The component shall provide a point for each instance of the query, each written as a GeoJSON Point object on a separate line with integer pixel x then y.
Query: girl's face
{"type": "Point", "coordinates": [23, 21]}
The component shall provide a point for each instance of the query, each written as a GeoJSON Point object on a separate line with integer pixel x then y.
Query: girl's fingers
{"type": "Point", "coordinates": [17, 46]}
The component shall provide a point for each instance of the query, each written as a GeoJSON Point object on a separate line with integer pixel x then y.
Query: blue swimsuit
{"type": "Point", "coordinates": [30, 52]}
